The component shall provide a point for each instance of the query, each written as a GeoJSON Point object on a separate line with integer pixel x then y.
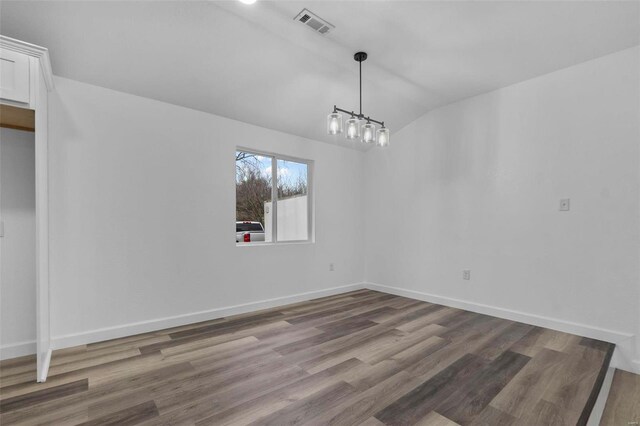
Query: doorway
{"type": "Point", "coordinates": [18, 276]}
{"type": "Point", "coordinates": [24, 245]}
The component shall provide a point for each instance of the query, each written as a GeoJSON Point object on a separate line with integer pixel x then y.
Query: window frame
{"type": "Point", "coordinates": [274, 198]}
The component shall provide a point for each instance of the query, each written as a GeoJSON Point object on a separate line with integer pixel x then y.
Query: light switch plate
{"type": "Point", "coordinates": [565, 204]}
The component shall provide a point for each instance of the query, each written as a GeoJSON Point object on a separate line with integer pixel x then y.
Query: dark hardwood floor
{"type": "Point", "coordinates": [360, 358]}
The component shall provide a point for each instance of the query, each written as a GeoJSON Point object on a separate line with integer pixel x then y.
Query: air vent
{"type": "Point", "coordinates": [314, 22]}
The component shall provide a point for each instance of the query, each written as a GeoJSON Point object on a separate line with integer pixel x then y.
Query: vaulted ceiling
{"type": "Point", "coordinates": [256, 64]}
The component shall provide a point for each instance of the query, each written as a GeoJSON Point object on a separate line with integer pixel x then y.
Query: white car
{"type": "Point", "coordinates": [249, 232]}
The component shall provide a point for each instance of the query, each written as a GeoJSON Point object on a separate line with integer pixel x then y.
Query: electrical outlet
{"type": "Point", "coordinates": [565, 204]}
{"type": "Point", "coordinates": [466, 274]}
{"type": "Point", "coordinates": [331, 267]}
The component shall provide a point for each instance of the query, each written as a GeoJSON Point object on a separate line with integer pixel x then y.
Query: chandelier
{"type": "Point", "coordinates": [358, 126]}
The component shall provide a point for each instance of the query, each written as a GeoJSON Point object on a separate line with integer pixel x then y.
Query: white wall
{"type": "Point", "coordinates": [476, 185]}
{"type": "Point", "coordinates": [18, 246]}
{"type": "Point", "coordinates": [143, 215]}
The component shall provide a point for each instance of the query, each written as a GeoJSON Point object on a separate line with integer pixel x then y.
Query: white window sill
{"type": "Point", "coordinates": [283, 243]}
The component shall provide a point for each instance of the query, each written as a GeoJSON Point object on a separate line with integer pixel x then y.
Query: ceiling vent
{"type": "Point", "coordinates": [314, 22]}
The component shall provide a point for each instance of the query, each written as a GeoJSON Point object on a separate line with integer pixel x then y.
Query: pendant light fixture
{"type": "Point", "coordinates": [358, 126]}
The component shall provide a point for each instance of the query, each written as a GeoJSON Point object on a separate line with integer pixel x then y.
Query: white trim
{"type": "Point", "coordinates": [274, 201]}
{"type": "Point", "coordinates": [15, 350]}
{"type": "Point", "coordinates": [621, 358]}
{"type": "Point", "coordinates": [601, 402]}
{"type": "Point", "coordinates": [43, 323]}
{"type": "Point", "coordinates": [59, 342]}
{"type": "Point", "coordinates": [281, 243]}
{"type": "Point", "coordinates": [624, 341]}
{"type": "Point", "coordinates": [45, 366]}
{"type": "Point", "coordinates": [39, 52]}
{"type": "Point", "coordinates": [311, 213]}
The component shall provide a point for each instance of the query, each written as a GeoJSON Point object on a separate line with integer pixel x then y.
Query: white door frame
{"type": "Point", "coordinates": [43, 327]}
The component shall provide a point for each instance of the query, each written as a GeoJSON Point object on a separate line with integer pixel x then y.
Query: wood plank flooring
{"type": "Point", "coordinates": [359, 358]}
{"type": "Point", "coordinates": [623, 403]}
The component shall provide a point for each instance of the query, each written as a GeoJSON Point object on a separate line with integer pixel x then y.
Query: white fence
{"type": "Point", "coordinates": [292, 219]}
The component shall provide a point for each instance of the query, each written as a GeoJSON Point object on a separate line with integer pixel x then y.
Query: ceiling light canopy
{"type": "Point", "coordinates": [358, 126]}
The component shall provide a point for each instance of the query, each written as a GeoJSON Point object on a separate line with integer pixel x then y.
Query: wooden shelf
{"type": "Point", "coordinates": [17, 118]}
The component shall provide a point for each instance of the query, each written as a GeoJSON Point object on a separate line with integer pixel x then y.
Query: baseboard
{"type": "Point", "coordinates": [622, 358]}
{"type": "Point", "coordinates": [15, 350]}
{"type": "Point", "coordinates": [625, 348]}
{"type": "Point", "coordinates": [69, 340]}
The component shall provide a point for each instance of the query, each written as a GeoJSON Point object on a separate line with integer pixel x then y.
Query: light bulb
{"type": "Point", "coordinates": [248, 1]}
{"type": "Point", "coordinates": [334, 123]}
{"type": "Point", "coordinates": [368, 133]}
{"type": "Point", "coordinates": [353, 128]}
{"type": "Point", "coordinates": [383, 137]}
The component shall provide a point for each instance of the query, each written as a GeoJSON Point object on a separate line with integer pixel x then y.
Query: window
{"type": "Point", "coordinates": [272, 206]}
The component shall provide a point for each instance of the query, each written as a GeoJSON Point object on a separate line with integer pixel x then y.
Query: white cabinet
{"type": "Point", "coordinates": [15, 78]}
